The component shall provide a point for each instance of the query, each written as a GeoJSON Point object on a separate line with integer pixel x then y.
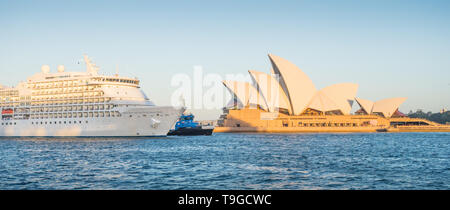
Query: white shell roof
{"type": "Point", "coordinates": [335, 97]}
{"type": "Point", "coordinates": [385, 106]}
{"type": "Point", "coordinates": [271, 91]}
{"type": "Point", "coordinates": [246, 93]}
{"type": "Point", "coordinates": [342, 95]}
{"type": "Point", "coordinates": [297, 85]}
{"type": "Point", "coordinates": [388, 106]}
{"type": "Point", "coordinates": [322, 102]}
{"type": "Point", "coordinates": [367, 105]}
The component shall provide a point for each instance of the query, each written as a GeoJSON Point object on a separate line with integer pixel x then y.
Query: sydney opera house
{"type": "Point", "coordinates": [286, 100]}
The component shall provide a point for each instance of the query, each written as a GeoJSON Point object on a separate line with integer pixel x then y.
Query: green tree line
{"type": "Point", "coordinates": [442, 118]}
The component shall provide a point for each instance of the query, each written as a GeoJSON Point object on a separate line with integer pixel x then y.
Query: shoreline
{"type": "Point", "coordinates": [324, 130]}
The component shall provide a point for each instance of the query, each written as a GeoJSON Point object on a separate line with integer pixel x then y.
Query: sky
{"type": "Point", "coordinates": [390, 48]}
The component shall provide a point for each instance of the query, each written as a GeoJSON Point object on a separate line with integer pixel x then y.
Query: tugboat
{"type": "Point", "coordinates": [186, 126]}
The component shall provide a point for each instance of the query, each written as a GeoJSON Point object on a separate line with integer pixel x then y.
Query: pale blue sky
{"type": "Point", "coordinates": [390, 48]}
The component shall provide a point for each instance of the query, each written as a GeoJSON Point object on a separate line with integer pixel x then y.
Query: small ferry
{"type": "Point", "coordinates": [186, 126]}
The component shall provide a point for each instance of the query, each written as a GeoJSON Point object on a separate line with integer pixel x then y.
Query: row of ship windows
{"type": "Point", "coordinates": [59, 100]}
{"type": "Point", "coordinates": [9, 93]}
{"type": "Point", "coordinates": [65, 90]}
{"type": "Point", "coordinates": [77, 114]}
{"type": "Point", "coordinates": [46, 123]}
{"type": "Point", "coordinates": [55, 94]}
{"type": "Point", "coordinates": [71, 108]}
{"type": "Point", "coordinates": [70, 83]}
{"type": "Point", "coordinates": [67, 95]}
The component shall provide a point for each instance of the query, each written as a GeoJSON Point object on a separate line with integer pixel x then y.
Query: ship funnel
{"type": "Point", "coordinates": [60, 68]}
{"type": "Point", "coordinates": [45, 69]}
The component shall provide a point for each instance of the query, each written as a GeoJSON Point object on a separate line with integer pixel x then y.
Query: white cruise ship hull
{"type": "Point", "coordinates": [134, 122]}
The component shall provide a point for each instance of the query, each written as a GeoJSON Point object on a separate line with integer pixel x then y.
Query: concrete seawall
{"type": "Point", "coordinates": [326, 129]}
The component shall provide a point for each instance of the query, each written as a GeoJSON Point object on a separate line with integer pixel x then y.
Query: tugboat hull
{"type": "Point", "coordinates": [190, 132]}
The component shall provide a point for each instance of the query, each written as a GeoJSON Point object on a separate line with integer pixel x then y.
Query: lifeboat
{"type": "Point", "coordinates": [7, 112]}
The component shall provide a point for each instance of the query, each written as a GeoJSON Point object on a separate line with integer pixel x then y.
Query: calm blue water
{"type": "Point", "coordinates": [230, 161]}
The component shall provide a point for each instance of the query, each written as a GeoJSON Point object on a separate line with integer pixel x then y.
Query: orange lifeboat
{"type": "Point", "coordinates": [7, 112]}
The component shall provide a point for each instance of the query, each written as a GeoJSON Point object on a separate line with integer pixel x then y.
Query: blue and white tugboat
{"type": "Point", "coordinates": [186, 126]}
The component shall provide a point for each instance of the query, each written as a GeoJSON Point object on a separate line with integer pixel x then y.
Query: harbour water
{"type": "Point", "coordinates": [230, 161]}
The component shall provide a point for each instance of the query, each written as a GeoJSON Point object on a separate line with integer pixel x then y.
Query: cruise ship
{"type": "Point", "coordinates": [82, 104]}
